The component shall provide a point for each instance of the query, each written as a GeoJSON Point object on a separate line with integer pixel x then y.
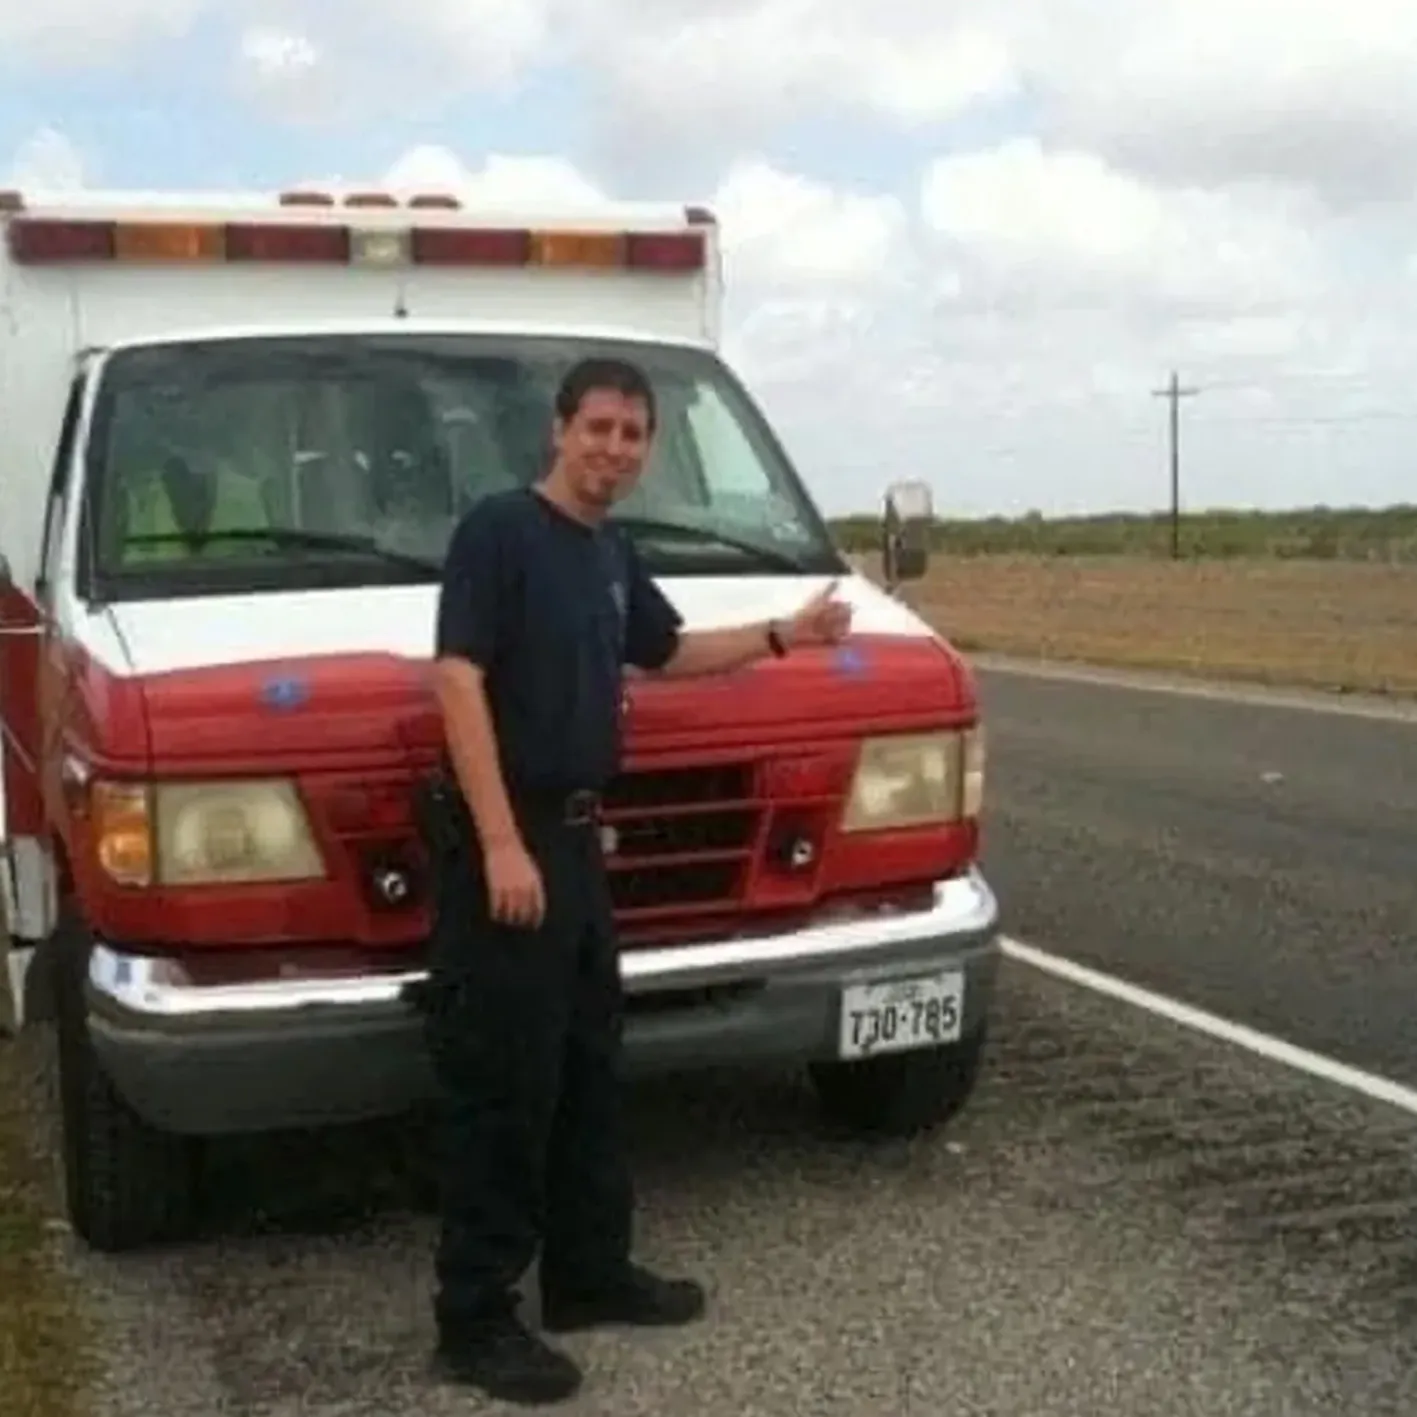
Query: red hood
{"type": "Point", "coordinates": [321, 712]}
{"type": "Point", "coordinates": [375, 709]}
{"type": "Point", "coordinates": [877, 681]}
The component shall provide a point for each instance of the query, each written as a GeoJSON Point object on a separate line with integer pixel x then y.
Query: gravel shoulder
{"type": "Point", "coordinates": [1130, 1219]}
{"type": "Point", "coordinates": [47, 1356]}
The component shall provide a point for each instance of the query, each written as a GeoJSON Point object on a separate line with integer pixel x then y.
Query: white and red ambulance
{"type": "Point", "coordinates": [235, 434]}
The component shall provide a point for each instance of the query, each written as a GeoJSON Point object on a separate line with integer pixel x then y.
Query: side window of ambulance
{"type": "Point", "coordinates": [59, 480]}
{"type": "Point", "coordinates": [742, 490]}
{"type": "Point", "coordinates": [735, 472]}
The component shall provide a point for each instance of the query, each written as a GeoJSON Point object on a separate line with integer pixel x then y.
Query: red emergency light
{"type": "Point", "coordinates": [37, 240]}
{"type": "Point", "coordinates": [664, 250]}
{"type": "Point", "coordinates": [34, 240]}
{"type": "Point", "coordinates": [465, 246]}
{"type": "Point", "coordinates": [286, 241]}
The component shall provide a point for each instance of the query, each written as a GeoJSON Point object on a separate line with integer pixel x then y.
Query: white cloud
{"type": "Point", "coordinates": [751, 65]}
{"type": "Point", "coordinates": [69, 34]}
{"type": "Point", "coordinates": [47, 160]}
{"type": "Point", "coordinates": [808, 270]}
{"type": "Point", "coordinates": [1028, 218]}
{"type": "Point", "coordinates": [782, 228]}
{"type": "Point", "coordinates": [280, 54]}
{"type": "Point", "coordinates": [413, 56]}
{"type": "Point", "coordinates": [1317, 91]}
{"type": "Point", "coordinates": [288, 74]}
{"type": "Point", "coordinates": [490, 42]}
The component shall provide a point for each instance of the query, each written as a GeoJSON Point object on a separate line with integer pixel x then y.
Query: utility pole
{"type": "Point", "coordinates": [1173, 393]}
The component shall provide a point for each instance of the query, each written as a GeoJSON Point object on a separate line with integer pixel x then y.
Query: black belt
{"type": "Point", "coordinates": [580, 808]}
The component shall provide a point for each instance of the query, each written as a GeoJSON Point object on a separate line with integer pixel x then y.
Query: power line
{"type": "Point", "coordinates": [1354, 418]}
{"type": "Point", "coordinates": [1173, 393]}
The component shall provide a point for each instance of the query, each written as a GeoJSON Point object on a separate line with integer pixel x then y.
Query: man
{"type": "Point", "coordinates": [542, 604]}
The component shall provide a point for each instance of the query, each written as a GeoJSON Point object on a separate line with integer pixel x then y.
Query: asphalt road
{"type": "Point", "coordinates": [1130, 1219]}
{"type": "Point", "coordinates": [1256, 861]}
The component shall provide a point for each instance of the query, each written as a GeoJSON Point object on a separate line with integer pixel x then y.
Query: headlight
{"type": "Point", "coordinates": [233, 831]}
{"type": "Point", "coordinates": [205, 833]}
{"type": "Point", "coordinates": [971, 792]}
{"type": "Point", "coordinates": [916, 779]}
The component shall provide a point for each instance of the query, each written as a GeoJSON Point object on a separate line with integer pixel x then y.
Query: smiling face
{"type": "Point", "coordinates": [601, 448]}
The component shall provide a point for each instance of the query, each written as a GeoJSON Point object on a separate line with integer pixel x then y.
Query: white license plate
{"type": "Point", "coordinates": [896, 1015]}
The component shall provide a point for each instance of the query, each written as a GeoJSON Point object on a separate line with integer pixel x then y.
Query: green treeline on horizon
{"type": "Point", "coordinates": [1308, 533]}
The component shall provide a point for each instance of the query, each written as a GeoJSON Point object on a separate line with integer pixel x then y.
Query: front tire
{"type": "Point", "coordinates": [128, 1185]}
{"type": "Point", "coordinates": [901, 1094]}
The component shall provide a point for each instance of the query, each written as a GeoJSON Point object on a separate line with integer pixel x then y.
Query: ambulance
{"type": "Point", "coordinates": [236, 433]}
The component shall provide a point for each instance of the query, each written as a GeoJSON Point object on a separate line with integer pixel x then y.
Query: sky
{"type": "Point", "coordinates": [965, 242]}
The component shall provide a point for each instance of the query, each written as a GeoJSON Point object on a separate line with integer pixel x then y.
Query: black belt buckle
{"type": "Point", "coordinates": [582, 808]}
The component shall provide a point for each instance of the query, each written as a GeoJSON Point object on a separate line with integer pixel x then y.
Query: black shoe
{"type": "Point", "coordinates": [638, 1299]}
{"type": "Point", "coordinates": [507, 1363]}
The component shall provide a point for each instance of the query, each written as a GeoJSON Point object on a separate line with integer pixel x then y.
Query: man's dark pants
{"type": "Point", "coordinates": [524, 1034]}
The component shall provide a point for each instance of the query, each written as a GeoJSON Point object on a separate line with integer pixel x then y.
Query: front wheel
{"type": "Point", "coordinates": [900, 1094]}
{"type": "Point", "coordinates": [128, 1185]}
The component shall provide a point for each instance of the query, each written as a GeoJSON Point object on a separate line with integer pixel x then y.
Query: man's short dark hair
{"type": "Point", "coordinates": [602, 372]}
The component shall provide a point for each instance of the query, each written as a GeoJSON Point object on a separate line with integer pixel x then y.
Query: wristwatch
{"type": "Point", "coordinates": [775, 641]}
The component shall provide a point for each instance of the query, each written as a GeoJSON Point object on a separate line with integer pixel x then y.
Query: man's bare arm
{"type": "Point", "coordinates": [722, 651]}
{"type": "Point", "coordinates": [472, 744]}
{"type": "Point", "coordinates": [823, 620]}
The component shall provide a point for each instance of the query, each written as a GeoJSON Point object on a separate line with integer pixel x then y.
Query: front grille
{"type": "Point", "coordinates": [671, 833]}
{"type": "Point", "coordinates": [684, 841]}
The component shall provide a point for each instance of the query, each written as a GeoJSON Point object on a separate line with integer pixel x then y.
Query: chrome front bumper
{"type": "Point", "coordinates": [295, 1052]}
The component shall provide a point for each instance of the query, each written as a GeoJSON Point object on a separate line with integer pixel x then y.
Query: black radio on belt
{"type": "Point", "coordinates": [440, 813]}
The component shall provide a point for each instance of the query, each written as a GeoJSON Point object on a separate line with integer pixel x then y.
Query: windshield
{"type": "Point", "coordinates": [324, 461]}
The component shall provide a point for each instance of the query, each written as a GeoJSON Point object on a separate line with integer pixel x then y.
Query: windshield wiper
{"type": "Point", "coordinates": [765, 555]}
{"type": "Point", "coordinates": [294, 536]}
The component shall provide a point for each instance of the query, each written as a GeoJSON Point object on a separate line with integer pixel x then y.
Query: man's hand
{"type": "Point", "coordinates": [823, 620]}
{"type": "Point", "coordinates": [515, 893]}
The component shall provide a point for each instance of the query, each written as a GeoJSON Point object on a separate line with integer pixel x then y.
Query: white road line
{"type": "Point", "coordinates": [1367, 706]}
{"type": "Point", "coordinates": [1370, 1085]}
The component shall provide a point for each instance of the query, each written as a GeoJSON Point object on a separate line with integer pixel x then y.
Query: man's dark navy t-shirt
{"type": "Point", "coordinates": [551, 610]}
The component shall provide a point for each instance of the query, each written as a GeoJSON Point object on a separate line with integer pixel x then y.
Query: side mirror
{"type": "Point", "coordinates": [906, 525]}
{"type": "Point", "coordinates": [7, 576]}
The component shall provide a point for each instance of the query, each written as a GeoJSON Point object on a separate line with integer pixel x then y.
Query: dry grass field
{"type": "Point", "coordinates": [1343, 626]}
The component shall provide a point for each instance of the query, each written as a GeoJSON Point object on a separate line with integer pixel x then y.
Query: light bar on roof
{"type": "Point", "coordinates": [54, 241]}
